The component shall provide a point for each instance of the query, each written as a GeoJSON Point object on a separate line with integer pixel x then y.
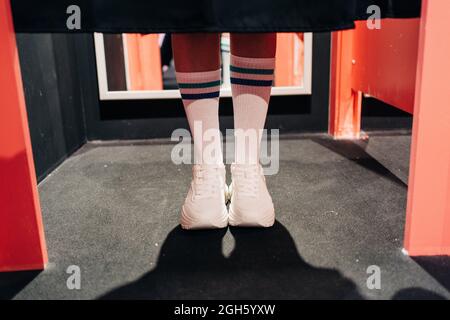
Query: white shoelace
{"type": "Point", "coordinates": [246, 179]}
{"type": "Point", "coordinates": [207, 181]}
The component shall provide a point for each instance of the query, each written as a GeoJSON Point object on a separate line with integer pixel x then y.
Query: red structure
{"type": "Point", "coordinates": [406, 64]}
{"type": "Point", "coordinates": [22, 244]}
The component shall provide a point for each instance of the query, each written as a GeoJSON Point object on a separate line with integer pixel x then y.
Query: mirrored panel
{"type": "Point", "coordinates": [140, 66]}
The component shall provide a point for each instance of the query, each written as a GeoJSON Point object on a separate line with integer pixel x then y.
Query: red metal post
{"type": "Point", "coordinates": [22, 244]}
{"type": "Point", "coordinates": [345, 103]}
{"type": "Point", "coordinates": [428, 209]}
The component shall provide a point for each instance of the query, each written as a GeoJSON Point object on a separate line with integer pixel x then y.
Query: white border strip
{"type": "Point", "coordinates": [104, 94]}
{"type": "Point", "coordinates": [101, 65]}
{"type": "Point", "coordinates": [127, 61]}
{"type": "Point", "coordinates": [307, 71]}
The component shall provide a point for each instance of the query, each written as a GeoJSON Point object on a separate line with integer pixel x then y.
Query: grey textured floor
{"type": "Point", "coordinates": [113, 211]}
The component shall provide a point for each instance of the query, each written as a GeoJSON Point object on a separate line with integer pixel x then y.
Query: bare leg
{"type": "Point", "coordinates": [254, 45]}
{"type": "Point", "coordinates": [196, 52]}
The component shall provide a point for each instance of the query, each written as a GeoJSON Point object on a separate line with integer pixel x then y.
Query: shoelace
{"type": "Point", "coordinates": [207, 181]}
{"type": "Point", "coordinates": [246, 179]}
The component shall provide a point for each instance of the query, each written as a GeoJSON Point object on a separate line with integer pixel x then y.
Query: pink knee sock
{"type": "Point", "coordinates": [251, 83]}
{"type": "Point", "coordinates": [200, 94]}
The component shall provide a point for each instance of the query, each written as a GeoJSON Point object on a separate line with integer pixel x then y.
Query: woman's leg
{"type": "Point", "coordinates": [197, 65]}
{"type": "Point", "coordinates": [254, 45]}
{"type": "Point", "coordinates": [252, 75]}
{"type": "Point", "coordinates": [196, 52]}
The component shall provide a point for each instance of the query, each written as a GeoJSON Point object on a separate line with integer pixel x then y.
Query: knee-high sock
{"type": "Point", "coordinates": [251, 83]}
{"type": "Point", "coordinates": [200, 94]}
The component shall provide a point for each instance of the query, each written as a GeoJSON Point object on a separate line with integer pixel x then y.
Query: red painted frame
{"type": "Point", "coordinates": [428, 209]}
{"type": "Point", "coordinates": [22, 243]}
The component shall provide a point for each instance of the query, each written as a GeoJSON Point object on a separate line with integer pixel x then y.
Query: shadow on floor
{"type": "Point", "coordinates": [11, 283]}
{"type": "Point", "coordinates": [264, 264]}
{"type": "Point", "coordinates": [438, 267]}
{"type": "Point", "coordinates": [355, 152]}
{"type": "Point", "coordinates": [417, 294]}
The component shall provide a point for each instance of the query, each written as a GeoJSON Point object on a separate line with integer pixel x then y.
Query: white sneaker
{"type": "Point", "coordinates": [251, 204]}
{"type": "Point", "coordinates": [205, 205]}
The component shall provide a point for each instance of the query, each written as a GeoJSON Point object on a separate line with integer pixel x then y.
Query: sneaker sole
{"type": "Point", "coordinates": [188, 222]}
{"type": "Point", "coordinates": [265, 220]}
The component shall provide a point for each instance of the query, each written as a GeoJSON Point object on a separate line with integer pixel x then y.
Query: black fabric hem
{"type": "Point", "coordinates": [344, 26]}
{"type": "Point", "coordinates": [178, 16]}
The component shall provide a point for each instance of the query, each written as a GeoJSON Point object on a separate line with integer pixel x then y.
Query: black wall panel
{"type": "Point", "coordinates": [53, 97]}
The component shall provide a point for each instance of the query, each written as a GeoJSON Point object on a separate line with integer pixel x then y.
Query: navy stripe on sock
{"type": "Point", "coordinates": [250, 82]}
{"type": "Point", "coordinates": [251, 71]}
{"type": "Point", "coordinates": [199, 85]}
{"type": "Point", "coordinates": [198, 96]}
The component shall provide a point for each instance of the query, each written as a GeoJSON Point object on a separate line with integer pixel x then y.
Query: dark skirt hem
{"type": "Point", "coordinates": [180, 16]}
{"type": "Point", "coordinates": [115, 30]}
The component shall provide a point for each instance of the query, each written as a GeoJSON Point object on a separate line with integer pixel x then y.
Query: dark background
{"type": "Point", "coordinates": [64, 111]}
